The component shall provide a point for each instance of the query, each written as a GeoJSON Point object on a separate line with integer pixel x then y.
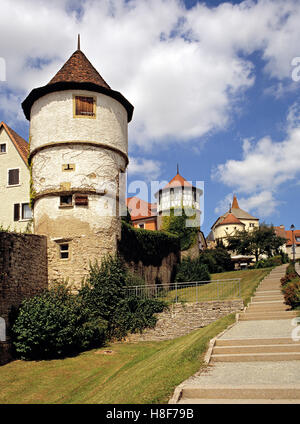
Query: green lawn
{"type": "Point", "coordinates": [145, 372]}
{"type": "Point", "coordinates": [250, 279]}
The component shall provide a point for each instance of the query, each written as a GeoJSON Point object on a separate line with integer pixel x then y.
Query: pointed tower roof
{"type": "Point", "coordinates": [20, 144]}
{"type": "Point", "coordinates": [79, 69]}
{"type": "Point", "coordinates": [76, 74]}
{"type": "Point", "coordinates": [235, 204]}
{"type": "Point", "coordinates": [178, 181]}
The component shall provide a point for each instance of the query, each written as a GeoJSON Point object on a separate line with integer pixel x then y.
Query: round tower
{"type": "Point", "coordinates": [78, 150]}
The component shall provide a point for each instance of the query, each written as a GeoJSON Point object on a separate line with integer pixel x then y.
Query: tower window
{"type": "Point", "coordinates": [13, 177]}
{"type": "Point", "coordinates": [2, 148]}
{"type": "Point", "coordinates": [81, 200]}
{"type": "Point", "coordinates": [64, 251]}
{"type": "Point", "coordinates": [66, 201]}
{"type": "Point", "coordinates": [68, 167]}
{"type": "Point", "coordinates": [85, 106]}
{"type": "Point", "coordinates": [194, 194]}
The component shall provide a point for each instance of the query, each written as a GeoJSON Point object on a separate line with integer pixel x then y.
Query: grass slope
{"type": "Point", "coordinates": [140, 373]}
{"type": "Point", "coordinates": [250, 278]}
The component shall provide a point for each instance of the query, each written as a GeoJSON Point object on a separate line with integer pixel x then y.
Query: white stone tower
{"type": "Point", "coordinates": [78, 148]}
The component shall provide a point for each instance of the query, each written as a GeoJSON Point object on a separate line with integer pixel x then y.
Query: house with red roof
{"type": "Point", "coordinates": [234, 220]}
{"type": "Point", "coordinates": [15, 212]}
{"type": "Point", "coordinates": [292, 241]}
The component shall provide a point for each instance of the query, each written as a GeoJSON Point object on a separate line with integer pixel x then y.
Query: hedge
{"type": "Point", "coordinates": [150, 247]}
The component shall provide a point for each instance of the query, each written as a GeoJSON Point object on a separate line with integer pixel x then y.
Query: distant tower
{"type": "Point", "coordinates": [178, 194]}
{"type": "Point", "coordinates": [78, 148]}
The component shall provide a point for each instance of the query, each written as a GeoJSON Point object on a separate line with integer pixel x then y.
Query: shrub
{"type": "Point", "coordinates": [55, 324]}
{"type": "Point", "coordinates": [150, 247]}
{"type": "Point", "coordinates": [106, 298]}
{"type": "Point", "coordinates": [270, 262]}
{"type": "Point", "coordinates": [291, 292]}
{"type": "Point", "coordinates": [176, 224]}
{"type": "Point", "coordinates": [192, 270]}
{"type": "Point", "coordinates": [217, 260]}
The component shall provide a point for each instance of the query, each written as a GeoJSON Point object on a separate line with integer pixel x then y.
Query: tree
{"type": "Point", "coordinates": [261, 240]}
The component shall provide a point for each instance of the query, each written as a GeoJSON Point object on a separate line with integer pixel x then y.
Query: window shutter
{"type": "Point", "coordinates": [13, 176]}
{"type": "Point", "coordinates": [84, 106]}
{"type": "Point", "coordinates": [16, 212]}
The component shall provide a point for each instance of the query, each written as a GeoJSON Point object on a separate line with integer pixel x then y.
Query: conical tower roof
{"type": "Point", "coordinates": [76, 74]}
{"type": "Point", "coordinates": [79, 69]}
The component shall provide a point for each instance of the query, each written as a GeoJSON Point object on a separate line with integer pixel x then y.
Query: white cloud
{"type": "Point", "coordinates": [183, 70]}
{"type": "Point", "coordinates": [148, 169]}
{"type": "Point", "coordinates": [264, 167]}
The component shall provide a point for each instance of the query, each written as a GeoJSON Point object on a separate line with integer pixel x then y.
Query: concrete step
{"type": "Point", "coordinates": [251, 357]}
{"type": "Point", "coordinates": [266, 297]}
{"type": "Point", "coordinates": [253, 341]}
{"type": "Point", "coordinates": [263, 292]}
{"type": "Point", "coordinates": [241, 392]}
{"type": "Point", "coordinates": [258, 316]}
{"type": "Point", "coordinates": [285, 348]}
{"type": "Point", "coordinates": [239, 401]}
{"type": "Point", "coordinates": [261, 307]}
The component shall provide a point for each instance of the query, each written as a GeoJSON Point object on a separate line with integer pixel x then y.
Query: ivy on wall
{"type": "Point", "coordinates": [150, 247]}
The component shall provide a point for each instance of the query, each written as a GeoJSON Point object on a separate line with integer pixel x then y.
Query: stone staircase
{"type": "Point", "coordinates": [251, 358]}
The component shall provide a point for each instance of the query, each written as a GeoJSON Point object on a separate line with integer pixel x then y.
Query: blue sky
{"type": "Point", "coordinates": [212, 85]}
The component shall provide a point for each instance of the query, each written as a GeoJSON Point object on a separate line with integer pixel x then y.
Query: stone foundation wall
{"type": "Point", "coordinates": [181, 319]}
{"type": "Point", "coordinates": [23, 274]}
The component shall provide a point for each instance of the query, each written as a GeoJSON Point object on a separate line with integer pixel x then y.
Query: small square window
{"type": "Point", "coordinates": [81, 200]}
{"type": "Point", "coordinates": [2, 148]}
{"type": "Point", "coordinates": [13, 176]}
{"type": "Point", "coordinates": [26, 211]}
{"type": "Point", "coordinates": [142, 225]}
{"type": "Point", "coordinates": [64, 251]}
{"type": "Point", "coordinates": [66, 201]}
{"type": "Point", "coordinates": [84, 106]}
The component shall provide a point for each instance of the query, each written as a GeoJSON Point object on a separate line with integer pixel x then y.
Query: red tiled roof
{"type": "Point", "coordinates": [289, 236]}
{"type": "Point", "coordinates": [140, 209]}
{"type": "Point", "coordinates": [178, 181]}
{"type": "Point", "coordinates": [230, 219]}
{"type": "Point", "coordinates": [19, 142]}
{"type": "Point", "coordinates": [79, 69]}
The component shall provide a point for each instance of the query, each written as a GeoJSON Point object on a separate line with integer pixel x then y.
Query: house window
{"type": "Point", "coordinates": [64, 251]}
{"type": "Point", "coordinates": [13, 177]}
{"type": "Point", "coordinates": [26, 211]}
{"type": "Point", "coordinates": [142, 225]}
{"type": "Point", "coordinates": [2, 148]}
{"type": "Point", "coordinates": [16, 212]}
{"type": "Point", "coordinates": [172, 193]}
{"type": "Point", "coordinates": [85, 106]}
{"type": "Point", "coordinates": [251, 225]}
{"type": "Point", "coordinates": [297, 239]}
{"type": "Point", "coordinates": [66, 201]}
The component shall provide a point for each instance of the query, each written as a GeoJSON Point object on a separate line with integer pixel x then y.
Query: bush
{"type": "Point", "coordinates": [270, 262]}
{"type": "Point", "coordinates": [150, 247]}
{"type": "Point", "coordinates": [106, 298]}
{"type": "Point", "coordinates": [291, 287]}
{"type": "Point", "coordinates": [291, 292]}
{"type": "Point", "coordinates": [55, 324]}
{"type": "Point", "coordinates": [192, 270]}
{"type": "Point", "coordinates": [217, 260]}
